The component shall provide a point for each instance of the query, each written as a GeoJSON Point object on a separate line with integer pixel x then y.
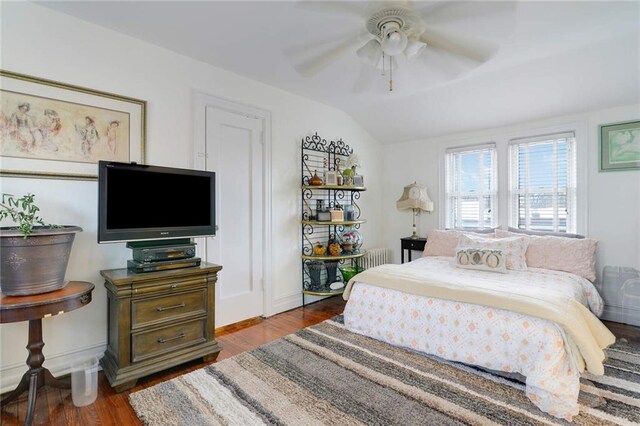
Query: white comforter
{"type": "Point", "coordinates": [489, 337]}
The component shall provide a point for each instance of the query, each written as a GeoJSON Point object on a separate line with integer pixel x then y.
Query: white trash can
{"type": "Point", "coordinates": [84, 382]}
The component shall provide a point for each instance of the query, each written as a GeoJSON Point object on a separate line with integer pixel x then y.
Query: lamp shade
{"type": "Point", "coordinates": [415, 196]}
{"type": "Point", "coordinates": [370, 53]}
{"type": "Point", "coordinates": [414, 49]}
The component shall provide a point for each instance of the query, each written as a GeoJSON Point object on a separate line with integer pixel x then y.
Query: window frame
{"type": "Point", "coordinates": [501, 138]}
{"type": "Point", "coordinates": [493, 174]}
{"type": "Point", "coordinates": [571, 187]}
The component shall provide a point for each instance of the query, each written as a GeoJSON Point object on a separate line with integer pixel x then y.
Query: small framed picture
{"type": "Point", "coordinates": [358, 180]}
{"type": "Point", "coordinates": [331, 177]}
{"type": "Point", "coordinates": [620, 146]}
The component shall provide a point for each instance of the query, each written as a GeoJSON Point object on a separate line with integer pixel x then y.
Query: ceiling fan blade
{"type": "Point", "coordinates": [356, 9]}
{"type": "Point", "coordinates": [446, 11]}
{"type": "Point", "coordinates": [490, 20]}
{"type": "Point", "coordinates": [475, 50]}
{"type": "Point", "coordinates": [442, 66]}
{"type": "Point", "coordinates": [428, 8]}
{"type": "Point", "coordinates": [312, 65]}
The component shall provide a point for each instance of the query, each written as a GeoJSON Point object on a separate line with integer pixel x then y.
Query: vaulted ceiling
{"type": "Point", "coordinates": [550, 58]}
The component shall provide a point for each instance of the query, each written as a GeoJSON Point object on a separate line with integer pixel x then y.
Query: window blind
{"type": "Point", "coordinates": [542, 183]}
{"type": "Point", "coordinates": [471, 187]}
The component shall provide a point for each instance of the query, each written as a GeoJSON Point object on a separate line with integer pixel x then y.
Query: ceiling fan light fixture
{"type": "Point", "coordinates": [414, 49]}
{"type": "Point", "coordinates": [394, 40]}
{"type": "Point", "coordinates": [371, 52]}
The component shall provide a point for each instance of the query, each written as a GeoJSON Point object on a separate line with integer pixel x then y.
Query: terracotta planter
{"type": "Point", "coordinates": [37, 264]}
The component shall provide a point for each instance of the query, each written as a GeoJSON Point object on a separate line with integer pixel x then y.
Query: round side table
{"type": "Point", "coordinates": [74, 295]}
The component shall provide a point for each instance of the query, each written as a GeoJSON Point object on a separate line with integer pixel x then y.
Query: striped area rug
{"type": "Point", "coordinates": [327, 375]}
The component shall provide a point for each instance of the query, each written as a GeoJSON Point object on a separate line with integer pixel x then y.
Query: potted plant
{"type": "Point", "coordinates": [33, 255]}
{"type": "Point", "coordinates": [351, 165]}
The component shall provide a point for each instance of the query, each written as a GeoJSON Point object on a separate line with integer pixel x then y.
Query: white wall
{"type": "Point", "coordinates": [43, 43]}
{"type": "Point", "coordinates": [613, 208]}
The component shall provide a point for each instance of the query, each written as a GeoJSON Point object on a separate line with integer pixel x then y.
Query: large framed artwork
{"type": "Point", "coordinates": [50, 129]}
{"type": "Point", "coordinates": [620, 146]}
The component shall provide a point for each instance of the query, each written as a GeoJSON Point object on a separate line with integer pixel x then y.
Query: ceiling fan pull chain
{"type": "Point", "coordinates": [391, 73]}
{"type": "Point", "coordinates": [383, 72]}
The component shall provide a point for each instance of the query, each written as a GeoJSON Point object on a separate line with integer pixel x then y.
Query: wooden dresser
{"type": "Point", "coordinates": [157, 320]}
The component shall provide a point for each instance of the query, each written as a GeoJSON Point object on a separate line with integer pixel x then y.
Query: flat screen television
{"type": "Point", "coordinates": [139, 202]}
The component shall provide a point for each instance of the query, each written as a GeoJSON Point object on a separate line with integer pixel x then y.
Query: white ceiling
{"type": "Point", "coordinates": [554, 57]}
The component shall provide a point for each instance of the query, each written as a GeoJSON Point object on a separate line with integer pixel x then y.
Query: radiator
{"type": "Point", "coordinates": [374, 257]}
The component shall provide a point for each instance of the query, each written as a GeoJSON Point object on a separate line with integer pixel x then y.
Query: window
{"type": "Point", "coordinates": [528, 182]}
{"type": "Point", "coordinates": [471, 187]}
{"type": "Point", "coordinates": [542, 183]}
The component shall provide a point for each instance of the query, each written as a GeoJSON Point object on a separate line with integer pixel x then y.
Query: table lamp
{"type": "Point", "coordinates": [415, 197]}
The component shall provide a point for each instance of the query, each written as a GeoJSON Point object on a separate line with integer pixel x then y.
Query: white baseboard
{"type": "Point", "coordinates": [287, 302]}
{"type": "Point", "coordinates": [292, 301]}
{"type": "Point", "coordinates": [59, 365]}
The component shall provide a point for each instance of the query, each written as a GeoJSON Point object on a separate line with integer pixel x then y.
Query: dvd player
{"type": "Point", "coordinates": [159, 253]}
{"type": "Point", "coordinates": [138, 267]}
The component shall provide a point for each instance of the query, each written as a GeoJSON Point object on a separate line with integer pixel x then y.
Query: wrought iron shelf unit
{"type": "Point", "coordinates": [335, 187]}
{"type": "Point", "coordinates": [319, 271]}
{"type": "Point", "coordinates": [324, 293]}
{"type": "Point", "coordinates": [329, 257]}
{"type": "Point", "coordinates": [325, 222]}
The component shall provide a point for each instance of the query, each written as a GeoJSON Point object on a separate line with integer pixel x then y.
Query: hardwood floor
{"type": "Point", "coordinates": [55, 407]}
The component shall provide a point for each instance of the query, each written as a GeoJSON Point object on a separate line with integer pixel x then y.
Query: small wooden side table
{"type": "Point", "coordinates": [411, 244]}
{"type": "Point", "coordinates": [74, 295]}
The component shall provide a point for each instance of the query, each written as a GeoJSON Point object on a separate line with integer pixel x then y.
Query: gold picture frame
{"type": "Point", "coordinates": [331, 178]}
{"type": "Point", "coordinates": [55, 130]}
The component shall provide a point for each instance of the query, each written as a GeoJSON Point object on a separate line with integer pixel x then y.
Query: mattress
{"type": "Point", "coordinates": [488, 337]}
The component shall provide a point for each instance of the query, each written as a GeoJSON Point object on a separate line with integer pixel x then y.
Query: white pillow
{"type": "Point", "coordinates": [482, 259]}
{"type": "Point", "coordinates": [575, 255]}
{"type": "Point", "coordinates": [513, 248]}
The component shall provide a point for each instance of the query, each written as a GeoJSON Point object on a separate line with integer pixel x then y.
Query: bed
{"type": "Point", "coordinates": [538, 322]}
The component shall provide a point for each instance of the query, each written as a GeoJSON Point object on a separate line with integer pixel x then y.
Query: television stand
{"type": "Point", "coordinates": [158, 320]}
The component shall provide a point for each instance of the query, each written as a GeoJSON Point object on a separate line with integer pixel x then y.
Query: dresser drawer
{"type": "Point", "coordinates": [414, 244]}
{"type": "Point", "coordinates": [152, 343]}
{"type": "Point", "coordinates": [168, 307]}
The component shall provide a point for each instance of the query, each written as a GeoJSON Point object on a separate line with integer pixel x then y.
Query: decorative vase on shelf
{"type": "Point", "coordinates": [315, 179]}
{"type": "Point", "coordinates": [350, 240]}
{"type": "Point", "coordinates": [333, 246]}
{"type": "Point", "coordinates": [349, 212]}
{"type": "Point", "coordinates": [319, 249]}
{"type": "Point", "coordinates": [314, 268]}
{"type": "Point", "coordinates": [332, 271]}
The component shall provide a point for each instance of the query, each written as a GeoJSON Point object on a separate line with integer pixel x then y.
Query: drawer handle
{"type": "Point", "coordinates": [162, 308]}
{"type": "Point", "coordinates": [179, 336]}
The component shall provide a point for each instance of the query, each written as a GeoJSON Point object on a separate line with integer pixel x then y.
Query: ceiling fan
{"type": "Point", "coordinates": [401, 32]}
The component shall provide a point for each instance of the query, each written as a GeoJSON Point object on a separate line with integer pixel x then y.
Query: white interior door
{"type": "Point", "coordinates": [234, 150]}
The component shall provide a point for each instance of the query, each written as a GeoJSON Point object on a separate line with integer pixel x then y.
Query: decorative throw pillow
{"type": "Point", "coordinates": [481, 259]}
{"type": "Point", "coordinates": [444, 242]}
{"type": "Point", "coordinates": [513, 248]}
{"type": "Point", "coordinates": [575, 255]}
